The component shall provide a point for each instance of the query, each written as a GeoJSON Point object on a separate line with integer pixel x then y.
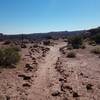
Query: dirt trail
{"type": "Point", "coordinates": [40, 90]}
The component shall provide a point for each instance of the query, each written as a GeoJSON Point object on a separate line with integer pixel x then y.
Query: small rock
{"type": "Point", "coordinates": [25, 77]}
{"type": "Point", "coordinates": [26, 85]}
{"type": "Point", "coordinates": [81, 74]}
{"type": "Point", "coordinates": [28, 67]}
{"type": "Point", "coordinates": [75, 94]}
{"type": "Point", "coordinates": [68, 87]}
{"type": "Point", "coordinates": [56, 93]}
{"type": "Point", "coordinates": [89, 86]}
{"type": "Point", "coordinates": [33, 58]}
{"type": "Point", "coordinates": [62, 80]}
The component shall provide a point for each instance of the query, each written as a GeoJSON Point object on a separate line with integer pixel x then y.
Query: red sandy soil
{"type": "Point", "coordinates": [55, 77]}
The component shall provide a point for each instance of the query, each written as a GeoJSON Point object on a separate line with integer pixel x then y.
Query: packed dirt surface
{"type": "Point", "coordinates": [41, 88]}
{"type": "Point", "coordinates": [79, 77]}
{"type": "Point", "coordinates": [44, 73]}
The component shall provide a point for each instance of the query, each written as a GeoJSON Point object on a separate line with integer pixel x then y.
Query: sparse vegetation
{"type": "Point", "coordinates": [96, 38]}
{"type": "Point", "coordinates": [91, 42]}
{"type": "Point", "coordinates": [8, 57]}
{"type": "Point", "coordinates": [76, 41]}
{"type": "Point", "coordinates": [83, 46]}
{"type": "Point", "coordinates": [69, 47]}
{"type": "Point", "coordinates": [70, 67]}
{"type": "Point", "coordinates": [16, 48]}
{"type": "Point", "coordinates": [71, 54]}
{"type": "Point", "coordinates": [48, 37]}
{"type": "Point", "coordinates": [62, 50]}
{"type": "Point", "coordinates": [96, 50]}
{"type": "Point", "coordinates": [95, 35]}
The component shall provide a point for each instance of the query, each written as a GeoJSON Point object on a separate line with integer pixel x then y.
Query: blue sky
{"type": "Point", "coordinates": [29, 16]}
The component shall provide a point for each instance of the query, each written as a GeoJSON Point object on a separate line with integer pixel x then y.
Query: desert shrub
{"type": "Point", "coordinates": [48, 37]}
{"type": "Point", "coordinates": [96, 38]}
{"type": "Point", "coordinates": [16, 48]}
{"type": "Point", "coordinates": [7, 42]}
{"type": "Point", "coordinates": [96, 50]}
{"type": "Point", "coordinates": [71, 54]}
{"type": "Point", "coordinates": [76, 41]}
{"type": "Point", "coordinates": [8, 57]}
{"type": "Point", "coordinates": [1, 56]}
{"type": "Point", "coordinates": [65, 40]}
{"type": "Point", "coordinates": [83, 46]}
{"type": "Point", "coordinates": [94, 31]}
{"type": "Point", "coordinates": [95, 35]}
{"type": "Point", "coordinates": [16, 42]}
{"type": "Point", "coordinates": [46, 42]}
{"type": "Point", "coordinates": [91, 42]}
{"type": "Point", "coordinates": [62, 50]}
{"type": "Point", "coordinates": [69, 47]}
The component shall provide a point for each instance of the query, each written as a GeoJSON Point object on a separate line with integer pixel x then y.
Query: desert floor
{"type": "Point", "coordinates": [50, 75]}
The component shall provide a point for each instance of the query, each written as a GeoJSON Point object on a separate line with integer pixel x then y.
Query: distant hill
{"type": "Point", "coordinates": [39, 36]}
{"type": "Point", "coordinates": [49, 35]}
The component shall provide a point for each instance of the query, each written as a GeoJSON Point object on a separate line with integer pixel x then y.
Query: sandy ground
{"type": "Point", "coordinates": [68, 82]}
{"type": "Point", "coordinates": [41, 88]}
{"type": "Point", "coordinates": [79, 73]}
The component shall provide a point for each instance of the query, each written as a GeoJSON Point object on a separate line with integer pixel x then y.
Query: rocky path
{"type": "Point", "coordinates": [41, 88]}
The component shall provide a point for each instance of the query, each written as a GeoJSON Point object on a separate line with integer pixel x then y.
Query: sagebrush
{"type": "Point", "coordinates": [76, 41]}
{"type": "Point", "coordinates": [8, 56]}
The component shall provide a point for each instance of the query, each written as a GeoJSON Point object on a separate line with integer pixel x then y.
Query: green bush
{"type": "Point", "coordinates": [16, 48]}
{"type": "Point", "coordinates": [95, 35]}
{"type": "Point", "coordinates": [71, 54]}
{"type": "Point", "coordinates": [8, 57]}
{"type": "Point", "coordinates": [96, 38]}
{"type": "Point", "coordinates": [76, 41]}
{"type": "Point", "coordinates": [96, 50]}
